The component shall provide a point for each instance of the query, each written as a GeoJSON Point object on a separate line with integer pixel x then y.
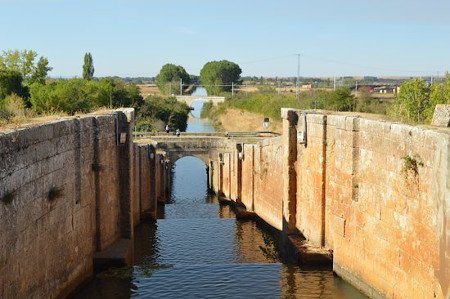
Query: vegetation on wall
{"type": "Point", "coordinates": [54, 193]}
{"type": "Point", "coordinates": [7, 198]}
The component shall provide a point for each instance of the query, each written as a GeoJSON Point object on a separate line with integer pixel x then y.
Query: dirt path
{"type": "Point", "coordinates": [239, 120]}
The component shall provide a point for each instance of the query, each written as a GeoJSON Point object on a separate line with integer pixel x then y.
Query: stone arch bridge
{"type": "Point", "coordinates": [208, 147]}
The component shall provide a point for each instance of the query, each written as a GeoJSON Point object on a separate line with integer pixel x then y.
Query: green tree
{"type": "Point", "coordinates": [69, 96]}
{"type": "Point", "coordinates": [439, 94]}
{"type": "Point", "coordinates": [41, 71]}
{"type": "Point", "coordinates": [342, 99]}
{"type": "Point", "coordinates": [88, 67]}
{"type": "Point", "coordinates": [412, 102]}
{"type": "Point", "coordinates": [79, 95]}
{"type": "Point", "coordinates": [218, 76]}
{"type": "Point", "coordinates": [11, 83]}
{"type": "Point", "coordinates": [19, 61]}
{"type": "Point", "coordinates": [24, 63]}
{"type": "Point", "coordinates": [168, 79]}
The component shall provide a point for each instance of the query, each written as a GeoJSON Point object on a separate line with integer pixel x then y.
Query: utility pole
{"type": "Point", "coordinates": [297, 84]}
{"type": "Point", "coordinates": [181, 87]}
{"type": "Point", "coordinates": [232, 89]}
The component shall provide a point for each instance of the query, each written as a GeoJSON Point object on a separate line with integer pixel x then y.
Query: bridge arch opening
{"type": "Point", "coordinates": [189, 180]}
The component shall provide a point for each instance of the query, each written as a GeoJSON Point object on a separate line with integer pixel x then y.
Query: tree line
{"type": "Point", "coordinates": [216, 76]}
{"type": "Point", "coordinates": [414, 103]}
{"type": "Point", "coordinates": [24, 83]}
{"type": "Point", "coordinates": [24, 86]}
{"type": "Point", "coordinates": [26, 90]}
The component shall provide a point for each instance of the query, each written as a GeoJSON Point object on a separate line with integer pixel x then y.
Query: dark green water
{"type": "Point", "coordinates": [197, 249]}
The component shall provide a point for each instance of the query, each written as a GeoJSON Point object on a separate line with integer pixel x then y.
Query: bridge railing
{"type": "Point", "coordinates": [164, 134]}
{"type": "Point", "coordinates": [211, 134]}
{"type": "Point", "coordinates": [252, 134]}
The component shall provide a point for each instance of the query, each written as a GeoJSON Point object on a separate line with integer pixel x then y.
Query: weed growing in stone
{"type": "Point", "coordinates": [54, 193]}
{"type": "Point", "coordinates": [7, 198]}
{"type": "Point", "coordinates": [411, 164]}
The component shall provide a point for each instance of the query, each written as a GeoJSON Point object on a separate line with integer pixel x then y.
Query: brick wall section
{"type": "Point", "coordinates": [47, 243]}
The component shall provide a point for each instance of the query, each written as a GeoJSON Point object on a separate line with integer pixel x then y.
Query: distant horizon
{"type": "Point", "coordinates": [442, 76]}
{"type": "Point", "coordinates": [405, 38]}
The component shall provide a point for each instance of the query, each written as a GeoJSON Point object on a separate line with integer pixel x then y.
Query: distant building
{"type": "Point", "coordinates": [377, 88]}
{"type": "Point", "coordinates": [385, 89]}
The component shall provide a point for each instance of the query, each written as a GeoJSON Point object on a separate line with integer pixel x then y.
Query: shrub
{"type": "Point", "coordinates": [169, 110]}
{"type": "Point", "coordinates": [15, 105]}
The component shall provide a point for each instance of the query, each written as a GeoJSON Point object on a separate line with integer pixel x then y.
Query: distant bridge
{"type": "Point", "coordinates": [190, 99]}
{"type": "Point", "coordinates": [205, 146]}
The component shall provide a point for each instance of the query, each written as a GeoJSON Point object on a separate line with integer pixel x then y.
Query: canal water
{"type": "Point", "coordinates": [197, 249]}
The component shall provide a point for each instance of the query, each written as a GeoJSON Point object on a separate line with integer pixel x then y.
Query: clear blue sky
{"type": "Point", "coordinates": [137, 37]}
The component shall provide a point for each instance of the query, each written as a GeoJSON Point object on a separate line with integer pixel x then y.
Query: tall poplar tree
{"type": "Point", "coordinates": [88, 67]}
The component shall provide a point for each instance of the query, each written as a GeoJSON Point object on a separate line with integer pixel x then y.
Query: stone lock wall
{"type": "Point", "coordinates": [255, 179]}
{"type": "Point", "coordinates": [145, 203]}
{"type": "Point", "coordinates": [374, 192]}
{"type": "Point", "coordinates": [62, 191]}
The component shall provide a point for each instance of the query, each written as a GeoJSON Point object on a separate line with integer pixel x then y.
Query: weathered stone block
{"type": "Point", "coordinates": [441, 116]}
